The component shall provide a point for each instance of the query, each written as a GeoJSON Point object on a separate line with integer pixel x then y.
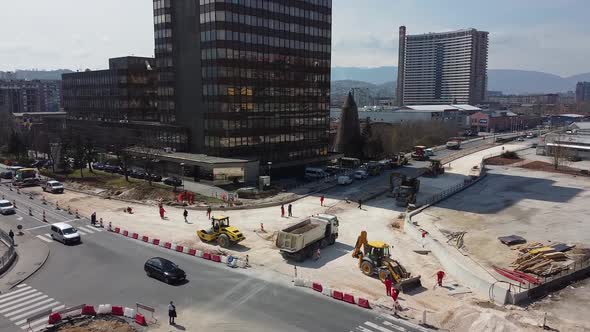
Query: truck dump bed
{"type": "Point", "coordinates": [298, 236]}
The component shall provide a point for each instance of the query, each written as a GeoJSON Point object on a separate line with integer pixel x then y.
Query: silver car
{"type": "Point", "coordinates": [6, 207]}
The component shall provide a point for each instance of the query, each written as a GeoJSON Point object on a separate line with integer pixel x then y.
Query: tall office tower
{"type": "Point", "coordinates": [247, 77]}
{"type": "Point", "coordinates": [582, 92]}
{"type": "Point", "coordinates": [443, 68]}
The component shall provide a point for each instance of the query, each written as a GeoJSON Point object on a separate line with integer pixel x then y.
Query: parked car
{"type": "Point", "coordinates": [137, 174]}
{"type": "Point", "coordinates": [7, 175]}
{"type": "Point", "coordinates": [163, 269]}
{"type": "Point", "coordinates": [153, 177]}
{"type": "Point", "coordinates": [54, 187]}
{"type": "Point", "coordinates": [98, 166]}
{"type": "Point", "coordinates": [360, 175]}
{"type": "Point", "coordinates": [6, 207]}
{"type": "Point", "coordinates": [38, 163]}
{"type": "Point", "coordinates": [344, 180]}
{"type": "Point", "coordinates": [173, 181]}
{"type": "Point", "coordinates": [520, 139]}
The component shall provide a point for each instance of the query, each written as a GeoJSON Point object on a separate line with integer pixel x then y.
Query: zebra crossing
{"type": "Point", "coordinates": [388, 325]}
{"type": "Point", "coordinates": [82, 230]}
{"type": "Point", "coordinates": [25, 301]}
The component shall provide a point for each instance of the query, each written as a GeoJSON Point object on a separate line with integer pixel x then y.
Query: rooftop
{"type": "Point", "coordinates": [188, 157]}
{"type": "Point", "coordinates": [441, 108]}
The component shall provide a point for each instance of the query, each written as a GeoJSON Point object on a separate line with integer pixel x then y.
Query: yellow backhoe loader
{"type": "Point", "coordinates": [374, 259]}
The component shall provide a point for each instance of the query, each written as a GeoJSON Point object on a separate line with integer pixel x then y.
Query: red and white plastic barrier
{"type": "Point", "coordinates": [228, 260]}
{"type": "Point", "coordinates": [335, 294]}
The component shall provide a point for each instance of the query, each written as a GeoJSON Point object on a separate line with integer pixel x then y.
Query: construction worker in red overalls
{"type": "Point", "coordinates": [439, 277]}
{"type": "Point", "coordinates": [322, 200]}
{"type": "Point", "coordinates": [162, 211]}
{"type": "Point", "coordinates": [388, 283]}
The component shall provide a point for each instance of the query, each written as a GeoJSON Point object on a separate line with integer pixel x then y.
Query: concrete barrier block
{"type": "Point", "coordinates": [128, 312]}
{"type": "Point", "coordinates": [299, 282]}
{"type": "Point", "coordinates": [308, 283]}
{"type": "Point", "coordinates": [105, 309]}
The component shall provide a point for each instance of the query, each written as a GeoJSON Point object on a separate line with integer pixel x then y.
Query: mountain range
{"type": "Point", "coordinates": [506, 80]}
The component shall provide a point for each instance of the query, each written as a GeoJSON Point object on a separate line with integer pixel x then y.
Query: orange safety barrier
{"type": "Point", "coordinates": [88, 310]}
{"type": "Point", "coordinates": [144, 238]}
{"type": "Point", "coordinates": [140, 320]}
{"type": "Point", "coordinates": [167, 245]}
{"type": "Point", "coordinates": [348, 298]}
{"type": "Point", "coordinates": [364, 303]}
{"type": "Point", "coordinates": [337, 295]}
{"type": "Point", "coordinates": [156, 242]}
{"type": "Point", "coordinates": [216, 258]}
{"type": "Point", "coordinates": [317, 287]}
{"type": "Point", "coordinates": [54, 318]}
{"type": "Point", "coordinates": [117, 310]}
{"type": "Point", "coordinates": [117, 230]}
{"type": "Point", "coordinates": [135, 236]}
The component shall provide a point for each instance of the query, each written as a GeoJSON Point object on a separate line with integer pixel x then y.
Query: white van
{"type": "Point", "coordinates": [65, 233]}
{"type": "Point", "coordinates": [315, 173]}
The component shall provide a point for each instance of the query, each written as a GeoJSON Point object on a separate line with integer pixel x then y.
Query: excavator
{"type": "Point", "coordinates": [374, 259]}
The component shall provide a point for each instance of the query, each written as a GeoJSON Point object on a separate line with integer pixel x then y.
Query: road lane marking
{"type": "Point", "coordinates": [21, 285]}
{"type": "Point", "coordinates": [15, 312]}
{"type": "Point", "coordinates": [85, 230]}
{"type": "Point", "coordinates": [18, 305]}
{"type": "Point", "coordinates": [44, 238]}
{"type": "Point", "coordinates": [32, 228]}
{"type": "Point", "coordinates": [36, 310]}
{"type": "Point", "coordinates": [21, 289]}
{"type": "Point", "coordinates": [14, 295]}
{"type": "Point", "coordinates": [19, 299]}
{"type": "Point", "coordinates": [381, 328]}
{"type": "Point", "coordinates": [21, 322]}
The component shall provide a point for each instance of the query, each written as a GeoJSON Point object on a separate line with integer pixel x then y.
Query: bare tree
{"type": "Point", "coordinates": [148, 157]}
{"type": "Point", "coordinates": [559, 153]}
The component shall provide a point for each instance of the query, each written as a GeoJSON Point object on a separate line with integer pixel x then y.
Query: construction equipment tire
{"type": "Point", "coordinates": [367, 268]}
{"type": "Point", "coordinates": [324, 243]}
{"type": "Point", "coordinates": [383, 274]}
{"type": "Point", "coordinates": [223, 241]}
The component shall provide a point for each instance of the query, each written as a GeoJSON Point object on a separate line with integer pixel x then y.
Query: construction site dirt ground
{"type": "Point", "coordinates": [539, 206]}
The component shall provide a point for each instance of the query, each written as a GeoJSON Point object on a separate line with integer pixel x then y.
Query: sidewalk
{"type": "Point", "coordinates": [31, 255]}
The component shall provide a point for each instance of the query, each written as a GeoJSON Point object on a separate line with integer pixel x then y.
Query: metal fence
{"type": "Point", "coordinates": [8, 255]}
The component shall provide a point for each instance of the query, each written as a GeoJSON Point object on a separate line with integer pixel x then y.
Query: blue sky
{"type": "Point", "coordinates": [551, 36]}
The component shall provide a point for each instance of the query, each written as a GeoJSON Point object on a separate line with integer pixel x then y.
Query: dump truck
{"type": "Point", "coordinates": [404, 187]}
{"type": "Point", "coordinates": [419, 153]}
{"type": "Point", "coordinates": [302, 240]}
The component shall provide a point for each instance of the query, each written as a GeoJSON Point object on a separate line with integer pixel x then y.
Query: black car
{"type": "Point", "coordinates": [173, 181]}
{"type": "Point", "coordinates": [6, 175]}
{"type": "Point", "coordinates": [98, 166]}
{"type": "Point", "coordinates": [165, 270]}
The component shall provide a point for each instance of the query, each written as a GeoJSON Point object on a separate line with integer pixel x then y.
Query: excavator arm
{"type": "Point", "coordinates": [361, 241]}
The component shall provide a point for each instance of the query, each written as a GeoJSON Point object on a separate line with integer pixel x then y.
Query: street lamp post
{"type": "Point", "coordinates": [181, 170]}
{"type": "Point", "coordinates": [269, 164]}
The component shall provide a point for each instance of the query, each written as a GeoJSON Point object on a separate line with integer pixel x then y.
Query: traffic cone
{"type": "Point", "coordinates": [57, 205]}
{"type": "Point", "coordinates": [30, 196]}
{"type": "Point", "coordinates": [14, 203]}
{"type": "Point", "coordinates": [69, 210]}
{"type": "Point", "coordinates": [44, 218]}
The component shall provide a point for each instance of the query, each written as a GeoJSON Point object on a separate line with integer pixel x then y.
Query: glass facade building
{"type": "Point", "coordinates": [260, 86]}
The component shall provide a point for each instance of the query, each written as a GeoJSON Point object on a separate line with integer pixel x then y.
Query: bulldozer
{"type": "Point", "coordinates": [222, 232]}
{"type": "Point", "coordinates": [375, 259]}
{"type": "Point", "coordinates": [434, 169]}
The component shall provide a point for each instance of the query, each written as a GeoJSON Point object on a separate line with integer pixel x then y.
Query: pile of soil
{"type": "Point", "coordinates": [547, 167]}
{"type": "Point", "coordinates": [499, 161]}
{"type": "Point", "coordinates": [107, 324]}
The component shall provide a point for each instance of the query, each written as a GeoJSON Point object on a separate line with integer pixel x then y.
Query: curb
{"type": "Point", "coordinates": [228, 260]}
{"type": "Point", "coordinates": [34, 271]}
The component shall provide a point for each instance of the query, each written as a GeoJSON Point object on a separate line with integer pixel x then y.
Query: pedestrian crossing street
{"type": "Point", "coordinates": [83, 230]}
{"type": "Point", "coordinates": [25, 301]}
{"type": "Point", "coordinates": [388, 325]}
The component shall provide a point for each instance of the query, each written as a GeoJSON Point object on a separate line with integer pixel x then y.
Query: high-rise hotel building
{"type": "Point", "coordinates": [442, 68]}
{"type": "Point", "coordinates": [247, 77]}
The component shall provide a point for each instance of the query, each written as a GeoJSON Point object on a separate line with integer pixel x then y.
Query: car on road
{"type": "Point", "coordinates": [344, 180]}
{"type": "Point", "coordinates": [360, 175]}
{"type": "Point", "coordinates": [173, 181]}
{"type": "Point", "coordinates": [54, 187]}
{"type": "Point", "coordinates": [98, 166]}
{"type": "Point", "coordinates": [65, 233]}
{"type": "Point", "coordinates": [7, 175]}
{"type": "Point", "coordinates": [163, 269]}
{"type": "Point", "coordinates": [6, 207]}
{"type": "Point", "coordinates": [520, 139]}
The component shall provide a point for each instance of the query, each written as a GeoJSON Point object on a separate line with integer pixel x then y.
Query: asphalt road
{"type": "Point", "coordinates": [107, 268]}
